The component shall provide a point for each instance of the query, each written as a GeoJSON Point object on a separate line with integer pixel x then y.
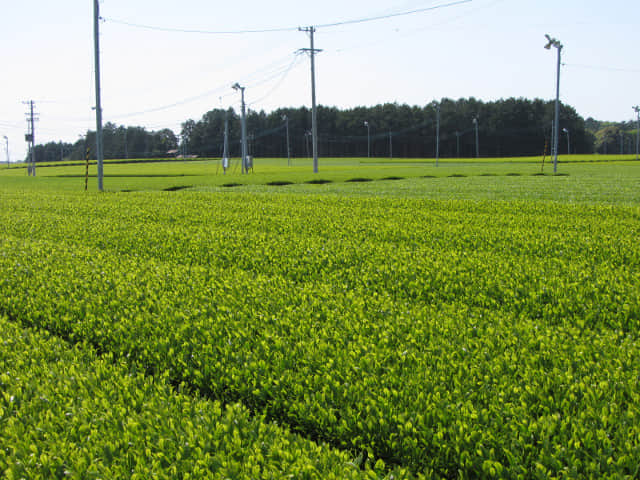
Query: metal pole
{"type": "Point", "coordinates": [307, 134]}
{"type": "Point", "coordinates": [96, 42]}
{"type": "Point", "coordinates": [556, 125]}
{"type": "Point", "coordinates": [637, 110]}
{"type": "Point", "coordinates": [475, 122]}
{"type": "Point", "coordinates": [366, 124]}
{"type": "Point", "coordinates": [245, 149]}
{"type": "Point", "coordinates": [225, 151]}
{"type": "Point", "coordinates": [286, 123]}
{"type": "Point", "coordinates": [437, 132]}
{"type": "Point", "coordinates": [6, 139]}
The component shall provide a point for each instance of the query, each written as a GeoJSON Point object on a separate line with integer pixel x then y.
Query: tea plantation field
{"type": "Point", "coordinates": [475, 322]}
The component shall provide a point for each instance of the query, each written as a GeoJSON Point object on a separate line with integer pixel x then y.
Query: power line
{"type": "Point", "coordinates": [279, 82]}
{"type": "Point", "coordinates": [600, 67]}
{"type": "Point", "coordinates": [285, 29]}
{"type": "Point", "coordinates": [202, 32]}
{"type": "Point", "coordinates": [277, 67]}
{"type": "Point", "coordinates": [392, 15]}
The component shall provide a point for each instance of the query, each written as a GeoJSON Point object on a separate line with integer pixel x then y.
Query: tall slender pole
{"type": "Point", "coordinates": [314, 123]}
{"type": "Point", "coordinates": [566, 130]}
{"type": "Point", "coordinates": [6, 139]}
{"type": "Point", "coordinates": [33, 142]}
{"type": "Point", "coordinates": [552, 42]}
{"type": "Point", "coordinates": [475, 122]}
{"type": "Point", "coordinates": [637, 110]}
{"type": "Point", "coordinates": [366, 124]}
{"type": "Point", "coordinates": [225, 151]}
{"type": "Point", "coordinates": [96, 43]}
{"type": "Point", "coordinates": [556, 126]}
{"type": "Point", "coordinates": [314, 113]}
{"type": "Point", "coordinates": [286, 123]}
{"type": "Point", "coordinates": [243, 128]}
{"type": "Point", "coordinates": [437, 106]}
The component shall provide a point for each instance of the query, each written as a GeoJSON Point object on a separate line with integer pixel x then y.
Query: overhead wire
{"type": "Point", "coordinates": [285, 29]}
{"type": "Point", "coordinates": [392, 15]}
{"type": "Point", "coordinates": [276, 66]}
{"type": "Point", "coordinates": [279, 82]}
{"type": "Point", "coordinates": [198, 31]}
{"type": "Point", "coordinates": [601, 67]}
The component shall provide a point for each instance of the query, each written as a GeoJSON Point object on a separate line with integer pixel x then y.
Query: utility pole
{"type": "Point", "coordinates": [30, 138]}
{"type": "Point", "coordinates": [637, 110]}
{"type": "Point", "coordinates": [475, 122]}
{"type": "Point", "coordinates": [314, 124]}
{"type": "Point", "coordinates": [437, 107]}
{"type": "Point", "coordinates": [98, 107]}
{"type": "Point", "coordinates": [286, 122]}
{"type": "Point", "coordinates": [552, 42]}
{"type": "Point", "coordinates": [243, 127]}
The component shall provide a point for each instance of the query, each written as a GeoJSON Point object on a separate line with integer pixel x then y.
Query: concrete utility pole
{"type": "Point", "coordinates": [475, 123]}
{"type": "Point", "coordinates": [243, 127]}
{"type": "Point", "coordinates": [314, 124]}
{"type": "Point", "coordinates": [366, 124]}
{"type": "Point", "coordinates": [637, 110]}
{"type": "Point", "coordinates": [286, 123]}
{"type": "Point", "coordinates": [552, 42]}
{"type": "Point", "coordinates": [436, 105]}
{"type": "Point", "coordinates": [566, 130]}
{"type": "Point", "coordinates": [98, 107]}
{"type": "Point", "coordinates": [30, 138]}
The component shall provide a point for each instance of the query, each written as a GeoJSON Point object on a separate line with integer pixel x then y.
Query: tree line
{"type": "Point", "coordinates": [505, 128]}
{"type": "Point", "coordinates": [613, 137]}
{"type": "Point", "coordinates": [118, 142]}
{"type": "Point", "coordinates": [510, 127]}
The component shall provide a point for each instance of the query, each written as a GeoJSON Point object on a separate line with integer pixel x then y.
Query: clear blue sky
{"type": "Point", "coordinates": [488, 49]}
